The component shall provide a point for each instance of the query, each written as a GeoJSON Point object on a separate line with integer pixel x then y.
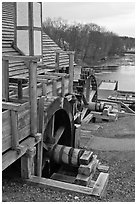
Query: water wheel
{"type": "Point", "coordinates": [58, 130]}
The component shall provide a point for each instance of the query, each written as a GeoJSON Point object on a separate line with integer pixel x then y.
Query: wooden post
{"type": "Point", "coordinates": [20, 89]}
{"type": "Point", "coordinates": [44, 88]}
{"type": "Point", "coordinates": [88, 90]}
{"type": "Point", "coordinates": [54, 87]}
{"type": "Point", "coordinates": [27, 163]}
{"type": "Point", "coordinates": [40, 130]}
{"type": "Point", "coordinates": [77, 135]}
{"type": "Point", "coordinates": [71, 71]}
{"type": "Point", "coordinates": [62, 86]}
{"type": "Point", "coordinates": [33, 96]}
{"type": "Point", "coordinates": [14, 129]}
{"type": "Point", "coordinates": [57, 62]}
{"type": "Point", "coordinates": [5, 80]}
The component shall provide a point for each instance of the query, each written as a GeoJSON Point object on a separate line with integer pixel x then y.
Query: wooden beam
{"type": "Point", "coordinates": [47, 76]}
{"type": "Point", "coordinates": [100, 184]}
{"type": "Point", "coordinates": [83, 179]}
{"type": "Point", "coordinates": [14, 106]}
{"type": "Point", "coordinates": [58, 134]}
{"type": "Point", "coordinates": [88, 89]}
{"type": "Point", "coordinates": [57, 62]}
{"type": "Point", "coordinates": [83, 113]}
{"type": "Point", "coordinates": [11, 156]}
{"type": "Point", "coordinates": [87, 118]}
{"type": "Point", "coordinates": [63, 86]}
{"type": "Point", "coordinates": [15, 80]}
{"type": "Point", "coordinates": [86, 157]}
{"type": "Point", "coordinates": [33, 97]}
{"type": "Point", "coordinates": [27, 163]}
{"type": "Point", "coordinates": [71, 71]}
{"type": "Point", "coordinates": [89, 168]}
{"type": "Point", "coordinates": [58, 184]}
{"type": "Point", "coordinates": [44, 89]}
{"type": "Point", "coordinates": [23, 58]}
{"type": "Point", "coordinates": [63, 178]}
{"type": "Point", "coordinates": [103, 168]}
{"type": "Point", "coordinates": [5, 79]}
{"type": "Point", "coordinates": [40, 130]}
{"type": "Point", "coordinates": [54, 87]}
{"type": "Point", "coordinates": [14, 130]}
{"type": "Point", "coordinates": [77, 135]}
{"type": "Point", "coordinates": [20, 93]}
{"type": "Point", "coordinates": [59, 74]}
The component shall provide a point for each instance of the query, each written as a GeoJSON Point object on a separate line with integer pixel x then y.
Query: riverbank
{"type": "Point", "coordinates": [116, 60]}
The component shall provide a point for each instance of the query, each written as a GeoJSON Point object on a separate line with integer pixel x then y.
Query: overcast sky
{"type": "Point", "coordinates": [118, 17]}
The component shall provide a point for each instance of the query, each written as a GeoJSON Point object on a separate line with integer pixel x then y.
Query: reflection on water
{"type": "Point", "coordinates": [122, 70]}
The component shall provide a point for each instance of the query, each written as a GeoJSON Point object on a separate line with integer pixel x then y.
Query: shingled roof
{"type": "Point", "coordinates": [49, 52]}
{"type": "Point", "coordinates": [49, 46]}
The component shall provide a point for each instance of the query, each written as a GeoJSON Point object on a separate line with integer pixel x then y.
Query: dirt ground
{"type": "Point", "coordinates": [122, 128]}
{"type": "Point", "coordinates": [121, 185]}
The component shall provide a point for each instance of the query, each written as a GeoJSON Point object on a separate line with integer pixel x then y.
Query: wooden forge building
{"type": "Point", "coordinates": [38, 103]}
{"type": "Point", "coordinates": [30, 69]}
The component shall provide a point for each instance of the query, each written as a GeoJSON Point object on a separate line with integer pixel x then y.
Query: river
{"type": "Point", "coordinates": [121, 69]}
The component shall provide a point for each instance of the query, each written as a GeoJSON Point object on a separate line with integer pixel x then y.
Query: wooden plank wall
{"type": "Point", "coordinates": [23, 127]}
{"type": "Point", "coordinates": [18, 67]}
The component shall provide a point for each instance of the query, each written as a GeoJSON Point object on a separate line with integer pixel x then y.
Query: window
{"type": "Point", "coordinates": [37, 14]}
{"type": "Point", "coordinates": [22, 14]}
{"type": "Point", "coordinates": [28, 27]}
{"type": "Point", "coordinates": [23, 41]}
{"type": "Point", "coordinates": [37, 42]}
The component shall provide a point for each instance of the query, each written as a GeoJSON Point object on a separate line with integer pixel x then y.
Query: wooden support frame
{"type": "Point", "coordinates": [88, 90]}
{"type": "Point", "coordinates": [62, 86]}
{"type": "Point", "coordinates": [57, 61]}
{"type": "Point", "coordinates": [96, 188]}
{"type": "Point", "coordinates": [61, 185]}
{"type": "Point", "coordinates": [27, 163]}
{"type": "Point", "coordinates": [23, 58]}
{"type": "Point", "coordinates": [14, 129]}
{"type": "Point", "coordinates": [58, 74]}
{"type": "Point", "coordinates": [44, 88]}
{"type": "Point", "coordinates": [39, 150]}
{"type": "Point", "coordinates": [33, 96]}
{"type": "Point", "coordinates": [14, 106]}
{"type": "Point", "coordinates": [20, 93]}
{"type": "Point", "coordinates": [5, 79]}
{"type": "Point", "coordinates": [77, 135]}
{"type": "Point", "coordinates": [12, 155]}
{"type": "Point", "coordinates": [54, 87]}
{"type": "Point", "coordinates": [71, 71]}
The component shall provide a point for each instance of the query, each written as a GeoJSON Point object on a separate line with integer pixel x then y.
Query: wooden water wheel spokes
{"type": "Point", "coordinates": [52, 135]}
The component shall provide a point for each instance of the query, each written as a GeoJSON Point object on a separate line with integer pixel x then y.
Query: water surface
{"type": "Point", "coordinates": [121, 69]}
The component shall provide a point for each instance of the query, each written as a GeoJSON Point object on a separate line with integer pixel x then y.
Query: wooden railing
{"type": "Point", "coordinates": [32, 66]}
{"type": "Point", "coordinates": [71, 68]}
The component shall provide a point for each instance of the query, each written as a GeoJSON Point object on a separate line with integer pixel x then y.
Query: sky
{"type": "Point", "coordinates": [118, 17]}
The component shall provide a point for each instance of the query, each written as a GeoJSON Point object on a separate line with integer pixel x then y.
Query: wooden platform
{"type": "Point", "coordinates": [108, 85]}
